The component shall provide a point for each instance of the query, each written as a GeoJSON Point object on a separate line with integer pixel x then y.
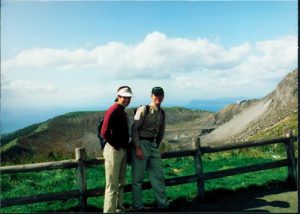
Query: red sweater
{"type": "Point", "coordinates": [115, 127]}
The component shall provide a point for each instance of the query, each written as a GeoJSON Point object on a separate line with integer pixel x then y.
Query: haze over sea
{"type": "Point", "coordinates": [14, 120]}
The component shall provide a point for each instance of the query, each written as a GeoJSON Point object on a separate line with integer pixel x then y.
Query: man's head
{"type": "Point", "coordinates": [124, 95]}
{"type": "Point", "coordinates": [157, 95]}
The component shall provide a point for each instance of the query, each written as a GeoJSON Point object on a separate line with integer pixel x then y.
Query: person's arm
{"type": "Point", "coordinates": [161, 132]}
{"type": "Point", "coordinates": [107, 128]}
{"type": "Point", "coordinates": [137, 122]}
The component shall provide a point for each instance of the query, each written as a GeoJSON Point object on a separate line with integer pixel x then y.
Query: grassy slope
{"type": "Point", "coordinates": [277, 130]}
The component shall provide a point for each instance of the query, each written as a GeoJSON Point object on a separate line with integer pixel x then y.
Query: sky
{"type": "Point", "coordinates": [62, 56]}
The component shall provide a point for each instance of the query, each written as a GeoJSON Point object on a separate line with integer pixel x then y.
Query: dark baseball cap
{"type": "Point", "coordinates": [157, 91]}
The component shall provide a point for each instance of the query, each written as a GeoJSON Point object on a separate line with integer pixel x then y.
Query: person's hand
{"type": "Point", "coordinates": [139, 153]}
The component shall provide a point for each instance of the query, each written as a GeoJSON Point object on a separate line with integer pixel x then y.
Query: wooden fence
{"type": "Point", "coordinates": [81, 163]}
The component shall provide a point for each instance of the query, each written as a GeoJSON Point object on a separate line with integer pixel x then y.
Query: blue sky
{"type": "Point", "coordinates": [72, 55]}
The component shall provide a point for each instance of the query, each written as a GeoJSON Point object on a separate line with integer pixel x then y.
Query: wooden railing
{"type": "Point", "coordinates": [81, 163]}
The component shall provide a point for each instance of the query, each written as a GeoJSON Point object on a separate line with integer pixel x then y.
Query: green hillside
{"type": "Point", "coordinates": [57, 138]}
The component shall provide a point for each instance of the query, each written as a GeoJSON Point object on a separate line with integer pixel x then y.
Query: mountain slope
{"type": "Point", "coordinates": [59, 136]}
{"type": "Point", "coordinates": [238, 123]}
{"type": "Point", "coordinates": [260, 115]}
{"type": "Point", "coordinates": [284, 104]}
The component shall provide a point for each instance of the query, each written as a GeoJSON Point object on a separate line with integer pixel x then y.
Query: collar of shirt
{"type": "Point", "coordinates": [154, 107]}
{"type": "Point", "coordinates": [121, 107]}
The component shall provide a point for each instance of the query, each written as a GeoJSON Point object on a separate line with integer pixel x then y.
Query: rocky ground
{"type": "Point", "coordinates": [236, 125]}
{"type": "Point", "coordinates": [265, 123]}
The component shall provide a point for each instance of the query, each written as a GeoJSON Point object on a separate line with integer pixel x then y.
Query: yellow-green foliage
{"type": "Point", "coordinates": [42, 127]}
{"type": "Point", "coordinates": [278, 130]}
{"type": "Point", "coordinates": [9, 145]}
{"type": "Point", "coordinates": [289, 123]}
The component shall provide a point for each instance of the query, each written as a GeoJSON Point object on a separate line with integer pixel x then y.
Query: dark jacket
{"type": "Point", "coordinates": [115, 127]}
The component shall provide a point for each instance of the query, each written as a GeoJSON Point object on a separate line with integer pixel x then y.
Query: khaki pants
{"type": "Point", "coordinates": [115, 172]}
{"type": "Point", "coordinates": [153, 165]}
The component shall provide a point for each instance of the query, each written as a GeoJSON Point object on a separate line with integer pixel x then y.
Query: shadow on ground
{"type": "Point", "coordinates": [270, 198]}
{"type": "Point", "coordinates": [252, 199]}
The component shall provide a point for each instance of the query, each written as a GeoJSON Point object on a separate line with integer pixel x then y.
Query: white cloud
{"type": "Point", "coordinates": [155, 57]}
{"type": "Point", "coordinates": [276, 54]}
{"type": "Point", "coordinates": [50, 58]}
{"type": "Point", "coordinates": [25, 86]}
{"type": "Point", "coordinates": [188, 69]}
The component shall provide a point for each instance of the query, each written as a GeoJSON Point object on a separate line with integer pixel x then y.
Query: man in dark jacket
{"type": "Point", "coordinates": [116, 133]}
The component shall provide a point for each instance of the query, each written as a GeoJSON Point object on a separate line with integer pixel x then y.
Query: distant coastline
{"type": "Point", "coordinates": [11, 122]}
{"type": "Point", "coordinates": [211, 108]}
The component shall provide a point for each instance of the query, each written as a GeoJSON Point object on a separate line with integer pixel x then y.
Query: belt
{"type": "Point", "coordinates": [151, 139]}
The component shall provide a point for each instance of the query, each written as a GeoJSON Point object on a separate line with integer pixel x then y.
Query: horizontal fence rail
{"type": "Point", "coordinates": [81, 163]}
{"type": "Point", "coordinates": [247, 144]}
{"type": "Point", "coordinates": [245, 169]}
{"type": "Point", "coordinates": [37, 167]}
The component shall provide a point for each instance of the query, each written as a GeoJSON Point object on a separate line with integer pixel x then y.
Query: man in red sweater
{"type": "Point", "coordinates": [116, 133]}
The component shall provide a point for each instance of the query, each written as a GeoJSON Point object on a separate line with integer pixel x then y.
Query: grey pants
{"type": "Point", "coordinates": [153, 165]}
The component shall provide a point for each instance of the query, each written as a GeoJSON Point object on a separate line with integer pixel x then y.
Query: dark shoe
{"type": "Point", "coordinates": [163, 209]}
{"type": "Point", "coordinates": [138, 209]}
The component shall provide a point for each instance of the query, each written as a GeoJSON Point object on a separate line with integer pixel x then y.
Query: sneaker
{"type": "Point", "coordinates": [163, 209]}
{"type": "Point", "coordinates": [138, 208]}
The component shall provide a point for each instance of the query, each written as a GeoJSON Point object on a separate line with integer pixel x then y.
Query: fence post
{"type": "Point", "coordinates": [199, 168]}
{"type": "Point", "coordinates": [292, 168]}
{"type": "Point", "coordinates": [81, 156]}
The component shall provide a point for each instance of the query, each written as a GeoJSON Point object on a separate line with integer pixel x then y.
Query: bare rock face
{"type": "Point", "coordinates": [236, 125]}
{"type": "Point", "coordinates": [286, 93]}
{"type": "Point", "coordinates": [258, 114]}
{"type": "Point", "coordinates": [284, 102]}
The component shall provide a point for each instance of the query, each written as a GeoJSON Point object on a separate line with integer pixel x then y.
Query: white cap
{"type": "Point", "coordinates": [125, 92]}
